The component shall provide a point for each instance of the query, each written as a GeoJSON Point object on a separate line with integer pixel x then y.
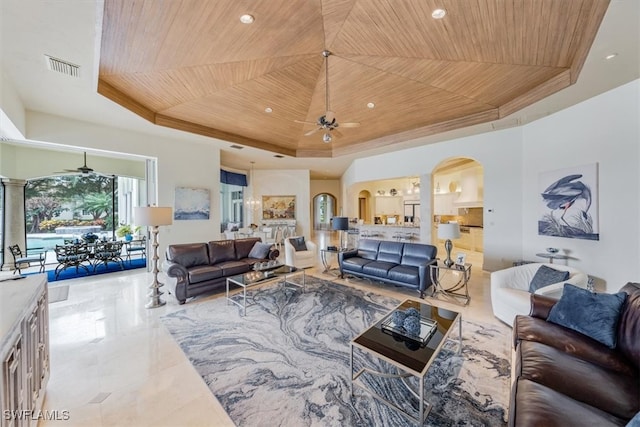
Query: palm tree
{"type": "Point", "coordinates": [97, 204]}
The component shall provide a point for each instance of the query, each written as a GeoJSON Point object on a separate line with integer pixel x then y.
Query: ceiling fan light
{"type": "Point", "coordinates": [438, 13]}
{"type": "Point", "coordinates": [326, 138]}
{"type": "Point", "coordinates": [247, 19]}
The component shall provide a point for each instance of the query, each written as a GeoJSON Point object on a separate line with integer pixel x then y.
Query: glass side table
{"type": "Point", "coordinates": [459, 291]}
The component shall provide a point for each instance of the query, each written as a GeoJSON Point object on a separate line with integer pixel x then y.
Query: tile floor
{"type": "Point", "coordinates": [114, 364]}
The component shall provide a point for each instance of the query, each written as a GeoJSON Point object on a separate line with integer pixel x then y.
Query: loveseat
{"type": "Point", "coordinates": [397, 263]}
{"type": "Point", "coordinates": [566, 378]}
{"type": "Point", "coordinates": [197, 268]}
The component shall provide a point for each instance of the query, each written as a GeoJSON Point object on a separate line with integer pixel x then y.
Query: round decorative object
{"type": "Point", "coordinates": [553, 250]}
{"type": "Point", "coordinates": [453, 186]}
{"type": "Point", "coordinates": [412, 325]}
{"type": "Point", "coordinates": [398, 317]}
{"type": "Point", "coordinates": [412, 312]}
{"type": "Point", "coordinates": [393, 191]}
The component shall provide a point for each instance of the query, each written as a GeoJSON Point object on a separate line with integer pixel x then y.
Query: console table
{"type": "Point", "coordinates": [24, 348]}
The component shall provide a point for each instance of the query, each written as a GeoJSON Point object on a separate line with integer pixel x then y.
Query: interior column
{"type": "Point", "coordinates": [14, 219]}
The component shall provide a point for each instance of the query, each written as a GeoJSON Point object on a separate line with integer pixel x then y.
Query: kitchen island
{"type": "Point", "coordinates": [402, 233]}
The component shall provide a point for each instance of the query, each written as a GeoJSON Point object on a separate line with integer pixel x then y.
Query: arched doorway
{"type": "Point", "coordinates": [364, 206]}
{"type": "Point", "coordinates": [458, 196]}
{"type": "Point", "coordinates": [324, 208]}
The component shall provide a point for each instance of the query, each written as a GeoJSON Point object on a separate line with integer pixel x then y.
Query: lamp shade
{"type": "Point", "coordinates": [340, 223]}
{"type": "Point", "coordinates": [152, 215]}
{"type": "Point", "coordinates": [449, 231]}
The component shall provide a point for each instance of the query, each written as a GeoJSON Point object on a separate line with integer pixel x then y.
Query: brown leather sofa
{"type": "Point", "coordinates": [199, 268]}
{"type": "Point", "coordinates": [564, 378]}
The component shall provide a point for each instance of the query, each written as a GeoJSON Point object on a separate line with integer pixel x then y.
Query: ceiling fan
{"type": "Point", "coordinates": [83, 170]}
{"type": "Point", "coordinates": [327, 122]}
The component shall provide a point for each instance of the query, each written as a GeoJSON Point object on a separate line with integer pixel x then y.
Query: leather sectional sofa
{"type": "Point", "coordinates": [204, 267]}
{"type": "Point", "coordinates": [397, 263]}
{"type": "Point", "coordinates": [564, 378]}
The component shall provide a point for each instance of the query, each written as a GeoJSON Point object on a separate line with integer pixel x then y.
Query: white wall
{"type": "Point", "coordinates": [12, 115]}
{"type": "Point", "coordinates": [180, 163]}
{"type": "Point", "coordinates": [602, 130]}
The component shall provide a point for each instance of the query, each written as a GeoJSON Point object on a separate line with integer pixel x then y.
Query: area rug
{"type": "Point", "coordinates": [287, 363]}
{"type": "Point", "coordinates": [58, 293]}
{"type": "Point", "coordinates": [70, 273]}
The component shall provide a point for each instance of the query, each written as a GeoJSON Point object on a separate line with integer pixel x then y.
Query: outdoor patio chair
{"type": "Point", "coordinates": [71, 256]}
{"type": "Point", "coordinates": [137, 246]}
{"type": "Point", "coordinates": [106, 252]}
{"type": "Point", "coordinates": [20, 259]}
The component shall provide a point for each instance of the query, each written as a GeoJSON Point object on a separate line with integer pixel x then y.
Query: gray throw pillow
{"type": "Point", "coordinates": [635, 421]}
{"type": "Point", "coordinates": [592, 314]}
{"type": "Point", "coordinates": [298, 243]}
{"type": "Point", "coordinates": [546, 276]}
{"type": "Point", "coordinates": [260, 250]}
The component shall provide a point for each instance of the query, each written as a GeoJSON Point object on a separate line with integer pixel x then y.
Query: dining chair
{"type": "Point", "coordinates": [106, 252]}
{"type": "Point", "coordinates": [20, 259]}
{"type": "Point", "coordinates": [71, 256]}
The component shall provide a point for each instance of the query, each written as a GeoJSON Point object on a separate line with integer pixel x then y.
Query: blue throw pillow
{"type": "Point", "coordinates": [260, 250]}
{"type": "Point", "coordinates": [546, 276]}
{"type": "Point", "coordinates": [635, 421]}
{"type": "Point", "coordinates": [594, 315]}
{"type": "Point", "coordinates": [298, 243]}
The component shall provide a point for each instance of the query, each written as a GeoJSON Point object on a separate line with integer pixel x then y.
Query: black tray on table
{"type": "Point", "coordinates": [427, 328]}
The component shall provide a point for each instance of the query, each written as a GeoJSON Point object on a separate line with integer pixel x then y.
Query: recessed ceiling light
{"type": "Point", "coordinates": [438, 13]}
{"type": "Point", "coordinates": [247, 19]}
{"type": "Point", "coordinates": [268, 110]}
{"type": "Point", "coordinates": [371, 105]}
{"type": "Point", "coordinates": [611, 56]}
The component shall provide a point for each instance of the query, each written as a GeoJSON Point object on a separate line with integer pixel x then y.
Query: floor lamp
{"type": "Point", "coordinates": [341, 223]}
{"type": "Point", "coordinates": [448, 231]}
{"type": "Point", "coordinates": [153, 216]}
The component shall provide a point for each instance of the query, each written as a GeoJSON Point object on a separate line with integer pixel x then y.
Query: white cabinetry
{"type": "Point", "coordinates": [389, 206]}
{"type": "Point", "coordinates": [443, 204]}
{"type": "Point", "coordinates": [24, 350]}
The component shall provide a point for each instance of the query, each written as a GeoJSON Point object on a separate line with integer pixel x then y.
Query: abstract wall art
{"type": "Point", "coordinates": [192, 203]}
{"type": "Point", "coordinates": [278, 207]}
{"type": "Point", "coordinates": [569, 203]}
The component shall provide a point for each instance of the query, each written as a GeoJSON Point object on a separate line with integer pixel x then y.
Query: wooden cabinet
{"type": "Point", "coordinates": [24, 335]}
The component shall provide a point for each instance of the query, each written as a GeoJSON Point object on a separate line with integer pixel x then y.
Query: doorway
{"type": "Point", "coordinates": [324, 208]}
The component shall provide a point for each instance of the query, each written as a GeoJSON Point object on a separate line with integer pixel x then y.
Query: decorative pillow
{"type": "Point", "coordinates": [594, 315]}
{"type": "Point", "coordinates": [260, 250]}
{"type": "Point", "coordinates": [298, 243]}
{"type": "Point", "coordinates": [635, 421]}
{"type": "Point", "coordinates": [546, 276]}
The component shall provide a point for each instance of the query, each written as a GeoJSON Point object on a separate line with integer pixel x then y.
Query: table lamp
{"type": "Point", "coordinates": [448, 231]}
{"type": "Point", "coordinates": [341, 223]}
{"type": "Point", "coordinates": [153, 216]}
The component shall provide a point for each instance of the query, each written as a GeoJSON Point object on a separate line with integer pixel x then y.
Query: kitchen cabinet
{"type": "Point", "coordinates": [389, 206]}
{"type": "Point", "coordinates": [443, 204]}
{"type": "Point", "coordinates": [24, 350]}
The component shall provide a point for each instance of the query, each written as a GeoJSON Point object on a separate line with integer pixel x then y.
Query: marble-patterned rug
{"type": "Point", "coordinates": [287, 362]}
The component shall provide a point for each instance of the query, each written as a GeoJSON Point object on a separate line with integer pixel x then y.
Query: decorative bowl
{"type": "Point", "coordinates": [553, 250]}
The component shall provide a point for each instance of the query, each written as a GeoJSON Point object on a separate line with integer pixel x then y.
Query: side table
{"type": "Point", "coordinates": [551, 256]}
{"type": "Point", "coordinates": [459, 291]}
{"type": "Point", "coordinates": [326, 263]}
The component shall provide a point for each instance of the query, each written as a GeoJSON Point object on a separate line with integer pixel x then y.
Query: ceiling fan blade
{"type": "Point", "coordinates": [305, 123]}
{"type": "Point", "coordinates": [337, 133]}
{"type": "Point", "coordinates": [329, 115]}
{"type": "Point", "coordinates": [349, 125]}
{"type": "Point", "coordinates": [311, 132]}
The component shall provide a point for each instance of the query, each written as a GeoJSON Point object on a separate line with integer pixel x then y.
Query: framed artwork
{"type": "Point", "coordinates": [278, 207]}
{"type": "Point", "coordinates": [461, 258]}
{"type": "Point", "coordinates": [191, 203]}
{"type": "Point", "coordinates": [569, 203]}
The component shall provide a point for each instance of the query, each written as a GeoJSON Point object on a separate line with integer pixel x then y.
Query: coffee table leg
{"type": "Point", "coordinates": [227, 291]}
{"type": "Point", "coordinates": [421, 413]}
{"type": "Point", "coordinates": [244, 301]}
{"type": "Point", "coordinates": [460, 333]}
{"type": "Point", "coordinates": [351, 372]}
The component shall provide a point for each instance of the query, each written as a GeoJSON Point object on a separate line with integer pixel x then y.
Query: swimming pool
{"type": "Point", "coordinates": [47, 242]}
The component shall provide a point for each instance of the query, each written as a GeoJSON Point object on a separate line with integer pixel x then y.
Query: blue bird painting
{"type": "Point", "coordinates": [572, 197]}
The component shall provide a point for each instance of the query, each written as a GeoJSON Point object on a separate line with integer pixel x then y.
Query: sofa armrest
{"type": "Point", "coordinates": [424, 270]}
{"type": "Point", "coordinates": [274, 253]}
{"type": "Point", "coordinates": [541, 306]}
{"type": "Point", "coordinates": [346, 254]}
{"type": "Point", "coordinates": [177, 271]}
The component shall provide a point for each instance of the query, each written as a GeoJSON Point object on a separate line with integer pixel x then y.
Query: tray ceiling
{"type": "Point", "coordinates": [192, 65]}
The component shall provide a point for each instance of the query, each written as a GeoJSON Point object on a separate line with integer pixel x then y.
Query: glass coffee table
{"type": "Point", "coordinates": [253, 277]}
{"type": "Point", "coordinates": [412, 355]}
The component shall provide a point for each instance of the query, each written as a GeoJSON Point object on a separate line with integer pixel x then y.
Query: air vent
{"type": "Point", "coordinates": [237, 147]}
{"type": "Point", "coordinates": [279, 156]}
{"type": "Point", "coordinates": [506, 123]}
{"type": "Point", "coordinates": [64, 67]}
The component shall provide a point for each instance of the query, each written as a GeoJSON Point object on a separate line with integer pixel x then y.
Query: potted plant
{"type": "Point", "coordinates": [126, 231]}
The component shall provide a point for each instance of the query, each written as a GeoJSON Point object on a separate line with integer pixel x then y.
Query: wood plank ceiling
{"type": "Point", "coordinates": [192, 65]}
